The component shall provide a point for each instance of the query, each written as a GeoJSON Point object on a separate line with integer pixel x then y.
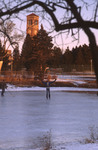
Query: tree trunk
{"type": "Point", "coordinates": [89, 33]}
{"type": "Point", "coordinates": [94, 50]}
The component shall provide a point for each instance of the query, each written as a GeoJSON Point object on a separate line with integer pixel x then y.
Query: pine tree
{"type": "Point", "coordinates": [42, 49]}
{"type": "Point", "coordinates": [26, 53]}
{"type": "Point", "coordinates": [56, 59]}
{"type": "Point", "coordinates": [80, 58]}
{"type": "Point", "coordinates": [87, 54]}
{"type": "Point", "coordinates": [67, 57]}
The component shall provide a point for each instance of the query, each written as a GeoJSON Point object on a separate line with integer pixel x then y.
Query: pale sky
{"type": "Point", "coordinates": [62, 40]}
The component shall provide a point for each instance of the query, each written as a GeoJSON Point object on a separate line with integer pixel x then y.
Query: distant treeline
{"type": "Point", "coordinates": [38, 53]}
{"type": "Point", "coordinates": [77, 56]}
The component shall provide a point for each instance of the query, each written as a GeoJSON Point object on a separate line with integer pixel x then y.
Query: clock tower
{"type": "Point", "coordinates": [32, 24]}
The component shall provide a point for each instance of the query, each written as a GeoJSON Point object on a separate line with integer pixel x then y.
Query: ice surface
{"type": "Point", "coordinates": [28, 121]}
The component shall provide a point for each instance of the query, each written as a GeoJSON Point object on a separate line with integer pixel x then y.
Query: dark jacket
{"type": "Point", "coordinates": [48, 83]}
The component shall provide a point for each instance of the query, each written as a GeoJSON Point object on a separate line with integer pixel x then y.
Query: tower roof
{"type": "Point", "coordinates": [32, 15]}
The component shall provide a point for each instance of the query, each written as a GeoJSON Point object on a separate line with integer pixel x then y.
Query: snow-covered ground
{"type": "Point", "coordinates": [75, 79]}
{"type": "Point", "coordinates": [28, 121]}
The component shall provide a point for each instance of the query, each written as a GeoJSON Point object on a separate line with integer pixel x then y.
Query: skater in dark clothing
{"type": "Point", "coordinates": [47, 84]}
{"type": "Point", "coordinates": [3, 87]}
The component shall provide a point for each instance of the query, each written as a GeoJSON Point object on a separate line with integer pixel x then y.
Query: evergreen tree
{"type": "Point", "coordinates": [56, 59]}
{"type": "Point", "coordinates": [16, 59]}
{"type": "Point", "coordinates": [42, 49]}
{"type": "Point", "coordinates": [26, 53]}
{"type": "Point", "coordinates": [67, 57]}
{"type": "Point", "coordinates": [80, 57]}
{"type": "Point", "coordinates": [67, 60]}
{"type": "Point", "coordinates": [87, 54]}
{"type": "Point", "coordinates": [74, 54]}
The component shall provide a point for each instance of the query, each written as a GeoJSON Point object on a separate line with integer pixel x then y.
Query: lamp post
{"type": "Point", "coordinates": [1, 63]}
{"type": "Point", "coordinates": [11, 64]}
{"type": "Point", "coordinates": [91, 66]}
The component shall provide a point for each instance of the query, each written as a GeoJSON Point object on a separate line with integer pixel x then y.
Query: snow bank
{"type": "Point", "coordinates": [36, 88]}
{"type": "Point", "coordinates": [74, 147]}
{"type": "Point", "coordinates": [81, 147]}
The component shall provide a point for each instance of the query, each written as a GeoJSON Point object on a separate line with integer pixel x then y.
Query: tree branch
{"type": "Point", "coordinates": [96, 10]}
{"type": "Point", "coordinates": [79, 24]}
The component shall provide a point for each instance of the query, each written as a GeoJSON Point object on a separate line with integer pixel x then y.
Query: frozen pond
{"type": "Point", "coordinates": [28, 120]}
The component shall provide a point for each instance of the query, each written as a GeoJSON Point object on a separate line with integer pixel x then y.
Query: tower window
{"type": "Point", "coordinates": [36, 22]}
{"type": "Point", "coordinates": [30, 22]}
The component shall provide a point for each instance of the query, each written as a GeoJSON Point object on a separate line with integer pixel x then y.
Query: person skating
{"type": "Point", "coordinates": [47, 84]}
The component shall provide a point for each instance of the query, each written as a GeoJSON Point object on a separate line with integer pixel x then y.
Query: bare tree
{"type": "Point", "coordinates": [71, 17]}
{"type": "Point", "coordinates": [9, 34]}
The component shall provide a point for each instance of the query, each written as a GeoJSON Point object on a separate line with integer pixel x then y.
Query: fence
{"type": "Point", "coordinates": [69, 69]}
{"type": "Point", "coordinates": [73, 69]}
{"type": "Point", "coordinates": [78, 68]}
